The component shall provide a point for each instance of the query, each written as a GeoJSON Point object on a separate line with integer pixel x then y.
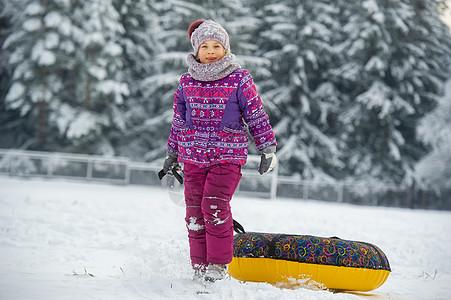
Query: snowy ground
{"type": "Point", "coordinates": [66, 240]}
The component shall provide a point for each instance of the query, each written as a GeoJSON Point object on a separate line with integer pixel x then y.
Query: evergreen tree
{"type": "Point", "coordinates": [11, 131]}
{"type": "Point", "coordinates": [340, 111]}
{"type": "Point", "coordinates": [37, 57]}
{"type": "Point", "coordinates": [435, 130]}
{"type": "Point", "coordinates": [67, 84]}
{"type": "Point", "coordinates": [98, 120]}
{"type": "Point", "coordinates": [393, 76]}
{"type": "Point", "coordinates": [140, 46]}
{"type": "Point", "coordinates": [169, 48]}
{"type": "Point", "coordinates": [297, 39]}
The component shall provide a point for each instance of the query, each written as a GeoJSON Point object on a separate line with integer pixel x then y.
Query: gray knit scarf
{"type": "Point", "coordinates": [213, 71]}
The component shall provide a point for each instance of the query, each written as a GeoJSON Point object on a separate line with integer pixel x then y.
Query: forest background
{"type": "Point", "coordinates": [355, 90]}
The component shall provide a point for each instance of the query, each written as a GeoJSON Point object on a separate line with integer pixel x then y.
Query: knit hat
{"type": "Point", "coordinates": [203, 30]}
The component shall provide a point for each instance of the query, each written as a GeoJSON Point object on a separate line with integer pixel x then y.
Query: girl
{"type": "Point", "coordinates": [212, 104]}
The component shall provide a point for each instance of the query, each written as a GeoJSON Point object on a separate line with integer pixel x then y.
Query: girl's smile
{"type": "Point", "coordinates": [210, 51]}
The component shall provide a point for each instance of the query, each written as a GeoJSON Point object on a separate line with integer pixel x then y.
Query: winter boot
{"type": "Point", "coordinates": [199, 275]}
{"type": "Point", "coordinates": [199, 272]}
{"type": "Point", "coordinates": [215, 272]}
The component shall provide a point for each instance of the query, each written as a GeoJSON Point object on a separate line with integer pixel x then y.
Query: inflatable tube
{"type": "Point", "coordinates": [330, 263]}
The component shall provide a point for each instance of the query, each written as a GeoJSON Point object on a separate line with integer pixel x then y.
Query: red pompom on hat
{"type": "Point", "coordinates": [193, 27]}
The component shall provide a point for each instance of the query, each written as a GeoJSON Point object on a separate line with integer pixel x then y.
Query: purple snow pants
{"type": "Point", "coordinates": [208, 192]}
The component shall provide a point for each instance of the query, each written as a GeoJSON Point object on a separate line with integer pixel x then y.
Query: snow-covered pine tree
{"type": "Point", "coordinates": [169, 47]}
{"type": "Point", "coordinates": [140, 46]}
{"type": "Point", "coordinates": [67, 83]}
{"type": "Point", "coordinates": [435, 169]}
{"type": "Point", "coordinates": [393, 75]}
{"type": "Point", "coordinates": [297, 38]}
{"type": "Point", "coordinates": [435, 130]}
{"type": "Point", "coordinates": [241, 23]}
{"type": "Point", "coordinates": [367, 123]}
{"type": "Point", "coordinates": [92, 119]}
{"type": "Point", "coordinates": [38, 51]}
{"type": "Point", "coordinates": [11, 134]}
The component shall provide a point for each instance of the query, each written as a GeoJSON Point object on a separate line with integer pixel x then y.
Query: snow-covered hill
{"type": "Point", "coordinates": [66, 240]}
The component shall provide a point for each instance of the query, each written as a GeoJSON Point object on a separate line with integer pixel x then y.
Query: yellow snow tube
{"type": "Point", "coordinates": [315, 262]}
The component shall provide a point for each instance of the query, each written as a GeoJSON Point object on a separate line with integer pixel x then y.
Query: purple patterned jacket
{"type": "Point", "coordinates": [209, 119]}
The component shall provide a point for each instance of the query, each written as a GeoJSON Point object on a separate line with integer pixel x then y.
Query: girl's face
{"type": "Point", "coordinates": [210, 51]}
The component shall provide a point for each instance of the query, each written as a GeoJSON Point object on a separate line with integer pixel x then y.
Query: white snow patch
{"type": "Point", "coordinates": [34, 8]}
{"type": "Point", "coordinates": [42, 56]}
{"type": "Point", "coordinates": [16, 91]}
{"type": "Point", "coordinates": [51, 40]}
{"type": "Point", "coordinates": [65, 115]}
{"type": "Point", "coordinates": [117, 89]}
{"type": "Point", "coordinates": [193, 225]}
{"type": "Point", "coordinates": [98, 72]}
{"type": "Point", "coordinates": [219, 221]}
{"type": "Point", "coordinates": [113, 49]}
{"type": "Point", "coordinates": [84, 123]}
{"type": "Point", "coordinates": [92, 39]}
{"type": "Point", "coordinates": [133, 240]}
{"type": "Point", "coordinates": [32, 24]}
{"type": "Point", "coordinates": [53, 19]}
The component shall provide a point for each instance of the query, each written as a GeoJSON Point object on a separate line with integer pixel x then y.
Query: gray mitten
{"type": "Point", "coordinates": [268, 160]}
{"type": "Point", "coordinates": [169, 162]}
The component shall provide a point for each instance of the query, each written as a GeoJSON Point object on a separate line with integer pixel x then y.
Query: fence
{"type": "Point", "coordinates": [121, 170]}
